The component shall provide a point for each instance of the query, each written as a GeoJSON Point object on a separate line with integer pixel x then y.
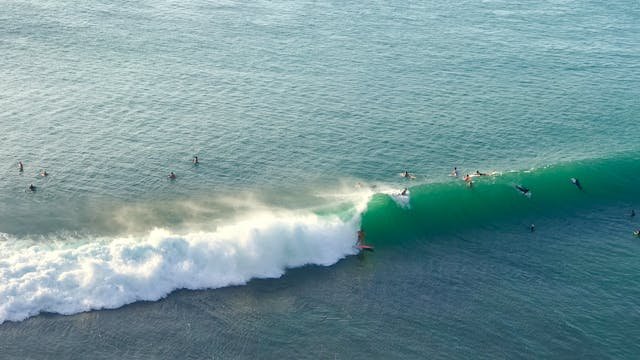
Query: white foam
{"type": "Point", "coordinates": [402, 200]}
{"type": "Point", "coordinates": [68, 276]}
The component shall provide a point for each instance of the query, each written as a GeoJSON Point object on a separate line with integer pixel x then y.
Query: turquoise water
{"type": "Point", "coordinates": [302, 115]}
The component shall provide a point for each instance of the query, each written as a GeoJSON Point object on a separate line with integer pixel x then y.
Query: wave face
{"type": "Point", "coordinates": [453, 207]}
{"type": "Point", "coordinates": [71, 275]}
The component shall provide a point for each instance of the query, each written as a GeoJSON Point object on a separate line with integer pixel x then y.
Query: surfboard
{"type": "Point", "coordinates": [411, 177]}
{"type": "Point", "coordinates": [365, 247]}
{"type": "Point", "coordinates": [493, 173]}
{"type": "Point", "coordinates": [636, 233]}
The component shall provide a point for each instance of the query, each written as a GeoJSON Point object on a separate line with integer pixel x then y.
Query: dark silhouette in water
{"type": "Point", "coordinates": [523, 190]}
{"type": "Point", "coordinates": [576, 182]}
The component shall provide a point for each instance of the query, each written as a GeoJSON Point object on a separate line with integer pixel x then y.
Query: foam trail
{"type": "Point", "coordinates": [76, 275]}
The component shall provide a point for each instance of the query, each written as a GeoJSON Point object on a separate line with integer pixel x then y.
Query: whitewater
{"type": "Point", "coordinates": [71, 275]}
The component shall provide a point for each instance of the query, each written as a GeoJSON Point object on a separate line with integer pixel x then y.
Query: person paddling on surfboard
{"type": "Point", "coordinates": [406, 175]}
{"type": "Point", "coordinates": [576, 182]}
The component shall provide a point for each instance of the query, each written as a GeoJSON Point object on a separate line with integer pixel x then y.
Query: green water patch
{"type": "Point", "coordinates": [454, 206]}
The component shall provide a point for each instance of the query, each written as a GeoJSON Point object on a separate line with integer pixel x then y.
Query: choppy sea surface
{"type": "Point", "coordinates": [303, 115]}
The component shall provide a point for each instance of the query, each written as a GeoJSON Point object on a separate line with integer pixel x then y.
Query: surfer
{"type": "Point", "coordinates": [406, 174]}
{"type": "Point", "coordinates": [576, 182]}
{"type": "Point", "coordinates": [44, 173]}
{"type": "Point", "coordinates": [195, 160]}
{"type": "Point", "coordinates": [172, 176]}
{"type": "Point", "coordinates": [20, 166]}
{"type": "Point", "coordinates": [360, 237]}
{"type": "Point", "coordinates": [32, 188]}
{"type": "Point", "coordinates": [532, 227]}
{"type": "Point", "coordinates": [468, 180]}
{"type": "Point", "coordinates": [455, 172]}
{"type": "Point", "coordinates": [480, 174]}
{"type": "Point", "coordinates": [404, 192]}
{"type": "Point", "coordinates": [523, 190]}
{"type": "Point", "coordinates": [360, 244]}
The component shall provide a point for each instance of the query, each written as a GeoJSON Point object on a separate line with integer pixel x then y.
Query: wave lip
{"type": "Point", "coordinates": [76, 275]}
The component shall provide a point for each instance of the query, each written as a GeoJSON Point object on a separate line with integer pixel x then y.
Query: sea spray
{"type": "Point", "coordinates": [82, 274]}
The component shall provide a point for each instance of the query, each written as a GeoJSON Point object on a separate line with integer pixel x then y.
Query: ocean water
{"type": "Point", "coordinates": [303, 114]}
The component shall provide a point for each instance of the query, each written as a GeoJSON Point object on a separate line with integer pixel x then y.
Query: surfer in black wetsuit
{"type": "Point", "coordinates": [20, 166]}
{"type": "Point", "coordinates": [195, 160]}
{"type": "Point", "coordinates": [32, 188]}
{"type": "Point", "coordinates": [480, 174]}
{"type": "Point", "coordinates": [404, 192]}
{"type": "Point", "coordinates": [576, 182]}
{"type": "Point", "coordinates": [523, 190]}
{"type": "Point", "coordinates": [172, 176]}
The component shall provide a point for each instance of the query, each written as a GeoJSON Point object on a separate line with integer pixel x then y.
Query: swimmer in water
{"type": "Point", "coordinates": [20, 166]}
{"type": "Point", "coordinates": [44, 173]}
{"type": "Point", "coordinates": [195, 160]}
{"type": "Point", "coordinates": [455, 172]}
{"type": "Point", "coordinates": [172, 176]}
{"type": "Point", "coordinates": [532, 228]}
{"type": "Point", "coordinates": [576, 182]}
{"type": "Point", "coordinates": [32, 188]}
